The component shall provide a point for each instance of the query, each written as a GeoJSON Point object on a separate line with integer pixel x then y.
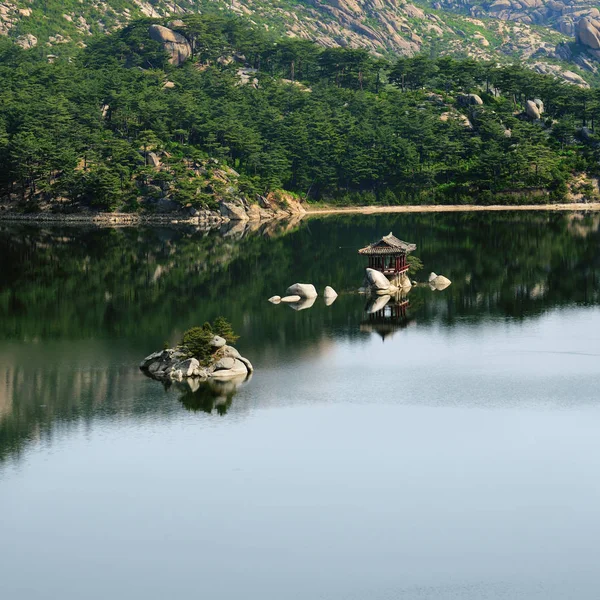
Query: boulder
{"type": "Point", "coordinates": [304, 290]}
{"type": "Point", "coordinates": [154, 357]}
{"type": "Point", "coordinates": [291, 299]}
{"type": "Point", "coordinates": [469, 99]}
{"type": "Point", "coordinates": [440, 283]}
{"type": "Point", "coordinates": [253, 212]}
{"type": "Point", "coordinates": [247, 364]}
{"type": "Point", "coordinates": [329, 295]}
{"type": "Point", "coordinates": [152, 160]}
{"type": "Point", "coordinates": [27, 41]}
{"type": "Point", "coordinates": [188, 367]}
{"type": "Point", "coordinates": [539, 104]}
{"type": "Point", "coordinates": [237, 369]}
{"type": "Point", "coordinates": [174, 43]}
{"type": "Point", "coordinates": [227, 362]}
{"type": "Point", "coordinates": [275, 299]}
{"type": "Point", "coordinates": [377, 279]}
{"type": "Point", "coordinates": [234, 211]}
{"type": "Point", "coordinates": [230, 351]}
{"type": "Point", "coordinates": [587, 32]}
{"type": "Point", "coordinates": [329, 292]}
{"type": "Point", "coordinates": [532, 110]}
{"type": "Point", "coordinates": [218, 342]}
{"type": "Point", "coordinates": [432, 276]}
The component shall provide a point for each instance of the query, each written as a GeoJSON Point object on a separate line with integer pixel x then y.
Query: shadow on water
{"type": "Point", "coordinates": [79, 307]}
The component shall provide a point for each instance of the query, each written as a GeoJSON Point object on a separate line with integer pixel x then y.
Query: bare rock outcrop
{"type": "Point", "coordinates": [174, 43]}
{"type": "Point", "coordinates": [587, 33]}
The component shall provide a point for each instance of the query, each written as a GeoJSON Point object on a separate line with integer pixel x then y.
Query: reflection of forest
{"type": "Point", "coordinates": [75, 300]}
{"type": "Point", "coordinates": [69, 282]}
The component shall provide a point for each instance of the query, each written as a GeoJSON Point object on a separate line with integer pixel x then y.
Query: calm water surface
{"type": "Point", "coordinates": [451, 454]}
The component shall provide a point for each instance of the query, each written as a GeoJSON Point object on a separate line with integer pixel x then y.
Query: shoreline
{"type": "Point", "coordinates": [129, 219]}
{"type": "Point", "coordinates": [367, 210]}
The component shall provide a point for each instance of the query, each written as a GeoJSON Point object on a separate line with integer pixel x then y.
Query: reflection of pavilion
{"type": "Point", "coordinates": [385, 314]}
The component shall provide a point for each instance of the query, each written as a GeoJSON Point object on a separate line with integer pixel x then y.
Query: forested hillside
{"type": "Point", "coordinates": [212, 108]}
{"type": "Point", "coordinates": [386, 27]}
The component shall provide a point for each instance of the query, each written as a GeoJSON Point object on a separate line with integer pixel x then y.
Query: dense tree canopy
{"type": "Point", "coordinates": [334, 124]}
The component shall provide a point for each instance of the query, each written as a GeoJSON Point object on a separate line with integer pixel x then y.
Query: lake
{"type": "Point", "coordinates": [450, 453]}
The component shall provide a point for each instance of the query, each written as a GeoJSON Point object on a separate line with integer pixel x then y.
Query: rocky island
{"type": "Point", "coordinates": [202, 354]}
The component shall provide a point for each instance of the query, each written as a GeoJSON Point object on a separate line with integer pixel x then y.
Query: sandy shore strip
{"type": "Point", "coordinates": [370, 210]}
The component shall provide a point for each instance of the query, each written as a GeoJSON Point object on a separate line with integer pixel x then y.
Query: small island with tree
{"type": "Point", "coordinates": [203, 353]}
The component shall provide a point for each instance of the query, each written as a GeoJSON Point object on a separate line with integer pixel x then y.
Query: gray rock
{"type": "Point", "coordinates": [291, 299]}
{"type": "Point", "coordinates": [153, 160]}
{"type": "Point", "coordinates": [237, 369]}
{"type": "Point", "coordinates": [154, 357]}
{"type": "Point", "coordinates": [188, 367]}
{"type": "Point", "coordinates": [304, 290]}
{"type": "Point", "coordinates": [275, 299]}
{"type": "Point", "coordinates": [247, 364]}
{"type": "Point", "coordinates": [234, 211]}
{"type": "Point", "coordinates": [469, 99]}
{"type": "Point", "coordinates": [227, 362]}
{"type": "Point", "coordinates": [432, 276]}
{"type": "Point", "coordinates": [218, 342]}
{"type": "Point", "coordinates": [230, 351]}
{"type": "Point", "coordinates": [532, 110]}
{"type": "Point", "coordinates": [587, 32]}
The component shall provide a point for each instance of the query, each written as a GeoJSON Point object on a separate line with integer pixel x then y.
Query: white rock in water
{"type": "Point", "coordinates": [377, 279]}
{"type": "Point", "coordinates": [291, 299]}
{"type": "Point", "coordinates": [329, 292]}
{"type": "Point", "coordinates": [304, 290]}
{"type": "Point", "coordinates": [217, 342]}
{"type": "Point", "coordinates": [237, 369]}
{"type": "Point", "coordinates": [303, 303]}
{"type": "Point", "coordinates": [432, 276]}
{"type": "Point", "coordinates": [275, 299]}
{"type": "Point", "coordinates": [440, 283]}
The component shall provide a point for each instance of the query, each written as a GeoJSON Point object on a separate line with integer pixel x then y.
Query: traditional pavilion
{"type": "Point", "coordinates": [388, 255]}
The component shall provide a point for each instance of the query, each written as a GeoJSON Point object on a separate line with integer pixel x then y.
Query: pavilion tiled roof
{"type": "Point", "coordinates": [388, 244]}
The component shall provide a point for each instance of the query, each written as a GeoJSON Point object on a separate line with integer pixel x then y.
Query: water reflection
{"type": "Point", "coordinates": [79, 307]}
{"type": "Point", "coordinates": [386, 314]}
{"type": "Point", "coordinates": [209, 396]}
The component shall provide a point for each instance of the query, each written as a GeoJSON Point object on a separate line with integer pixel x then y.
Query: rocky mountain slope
{"type": "Point", "coordinates": [382, 26]}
